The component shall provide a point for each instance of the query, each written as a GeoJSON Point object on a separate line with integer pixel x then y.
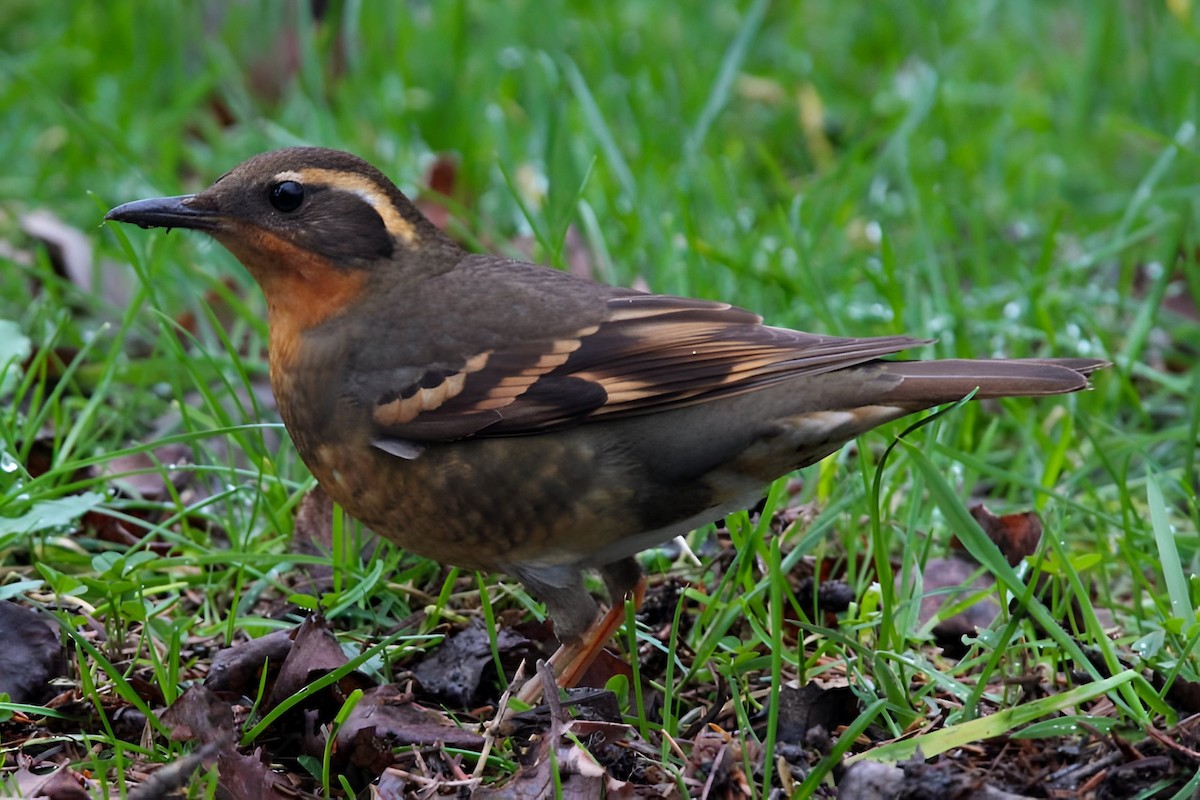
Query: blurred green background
{"type": "Point", "coordinates": [1011, 178]}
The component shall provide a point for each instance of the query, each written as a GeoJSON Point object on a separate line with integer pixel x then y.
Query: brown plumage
{"type": "Point", "coordinates": [498, 415]}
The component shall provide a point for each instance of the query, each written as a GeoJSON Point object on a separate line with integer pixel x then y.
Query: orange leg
{"type": "Point", "coordinates": [571, 661]}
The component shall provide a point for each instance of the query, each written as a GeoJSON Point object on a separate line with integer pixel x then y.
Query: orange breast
{"type": "Point", "coordinates": [303, 289]}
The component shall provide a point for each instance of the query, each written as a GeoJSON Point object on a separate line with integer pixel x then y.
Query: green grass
{"type": "Point", "coordinates": [1016, 179]}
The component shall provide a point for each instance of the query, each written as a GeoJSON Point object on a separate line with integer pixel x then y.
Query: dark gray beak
{"type": "Point", "coordinates": [166, 212]}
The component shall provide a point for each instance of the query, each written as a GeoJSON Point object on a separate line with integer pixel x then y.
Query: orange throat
{"type": "Point", "coordinates": [303, 289]}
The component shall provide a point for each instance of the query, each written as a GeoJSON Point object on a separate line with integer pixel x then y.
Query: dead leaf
{"type": "Point", "coordinates": [199, 715]}
{"type": "Point", "coordinates": [70, 253]}
{"type": "Point", "coordinates": [61, 784]}
{"type": "Point", "coordinates": [605, 667]}
{"type": "Point", "coordinates": [556, 764]}
{"type": "Point", "coordinates": [314, 650]}
{"type": "Point", "coordinates": [958, 577]}
{"type": "Point", "coordinates": [30, 654]}
{"type": "Point", "coordinates": [386, 718]}
{"type": "Point", "coordinates": [455, 669]}
{"type": "Point", "coordinates": [246, 777]}
{"type": "Point", "coordinates": [1017, 535]}
{"type": "Point", "coordinates": [1177, 298]}
{"type": "Point", "coordinates": [237, 669]}
{"type": "Point", "coordinates": [69, 250]}
{"type": "Point", "coordinates": [41, 452]}
{"type": "Point", "coordinates": [390, 786]}
{"type": "Point", "coordinates": [221, 315]}
{"type": "Point", "coordinates": [811, 707]}
{"type": "Point", "coordinates": [578, 776]}
{"type": "Point", "coordinates": [833, 596]}
{"type": "Point", "coordinates": [576, 255]}
{"type": "Point", "coordinates": [442, 179]}
{"type": "Point", "coordinates": [65, 784]}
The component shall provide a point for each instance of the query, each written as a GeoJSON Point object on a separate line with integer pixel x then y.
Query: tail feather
{"type": "Point", "coordinates": [928, 383]}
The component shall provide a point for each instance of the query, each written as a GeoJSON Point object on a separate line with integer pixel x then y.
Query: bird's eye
{"type": "Point", "coordinates": [287, 196]}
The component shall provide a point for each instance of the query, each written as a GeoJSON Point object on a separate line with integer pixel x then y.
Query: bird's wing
{"type": "Point", "coordinates": [648, 353]}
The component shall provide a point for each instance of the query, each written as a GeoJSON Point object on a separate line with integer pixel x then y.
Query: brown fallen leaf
{"type": "Point", "coordinates": [390, 786]}
{"type": "Point", "coordinates": [41, 453]}
{"type": "Point", "coordinates": [1017, 535]}
{"type": "Point", "coordinates": [314, 650]}
{"type": "Point", "coordinates": [442, 179]}
{"type": "Point", "coordinates": [30, 654]}
{"type": "Point", "coordinates": [576, 255]}
{"type": "Point", "coordinates": [557, 765]}
{"type": "Point", "coordinates": [870, 780]}
{"type": "Point", "coordinates": [386, 718]}
{"type": "Point", "coordinates": [916, 778]}
{"type": "Point", "coordinates": [809, 707]}
{"type": "Point", "coordinates": [237, 669]}
{"type": "Point", "coordinates": [607, 666]}
{"type": "Point", "coordinates": [832, 596]}
{"type": "Point", "coordinates": [947, 581]}
{"type": "Point", "coordinates": [199, 715]}
{"type": "Point", "coordinates": [1177, 297]}
{"type": "Point", "coordinates": [69, 250]}
{"type": "Point", "coordinates": [572, 773]}
{"type": "Point", "coordinates": [247, 777]}
{"type": "Point", "coordinates": [63, 783]}
{"type": "Point", "coordinates": [454, 670]}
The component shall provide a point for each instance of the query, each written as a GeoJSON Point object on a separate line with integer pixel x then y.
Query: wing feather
{"type": "Point", "coordinates": [650, 352]}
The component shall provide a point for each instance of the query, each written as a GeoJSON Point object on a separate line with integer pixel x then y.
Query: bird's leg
{"type": "Point", "coordinates": [571, 663]}
{"type": "Point", "coordinates": [573, 658]}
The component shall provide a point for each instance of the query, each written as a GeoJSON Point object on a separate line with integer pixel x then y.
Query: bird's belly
{"type": "Point", "coordinates": [483, 503]}
{"type": "Point", "coordinates": [584, 496]}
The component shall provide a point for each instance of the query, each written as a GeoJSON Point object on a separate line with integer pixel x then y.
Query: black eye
{"type": "Point", "coordinates": [287, 196]}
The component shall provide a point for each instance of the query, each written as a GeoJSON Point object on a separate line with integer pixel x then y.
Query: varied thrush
{"type": "Point", "coordinates": [497, 415]}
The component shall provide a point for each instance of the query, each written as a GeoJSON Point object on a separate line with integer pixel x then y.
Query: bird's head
{"type": "Point", "coordinates": [311, 225]}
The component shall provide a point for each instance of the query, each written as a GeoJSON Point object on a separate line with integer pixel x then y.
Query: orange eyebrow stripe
{"type": "Point", "coordinates": [366, 189]}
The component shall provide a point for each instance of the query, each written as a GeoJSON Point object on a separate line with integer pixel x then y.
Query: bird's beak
{"type": "Point", "coordinates": [167, 212]}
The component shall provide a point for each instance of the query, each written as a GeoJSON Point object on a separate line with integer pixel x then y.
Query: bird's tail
{"type": "Point", "coordinates": [930, 383]}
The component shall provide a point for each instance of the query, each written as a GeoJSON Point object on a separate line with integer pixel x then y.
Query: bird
{"type": "Point", "coordinates": [501, 416]}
